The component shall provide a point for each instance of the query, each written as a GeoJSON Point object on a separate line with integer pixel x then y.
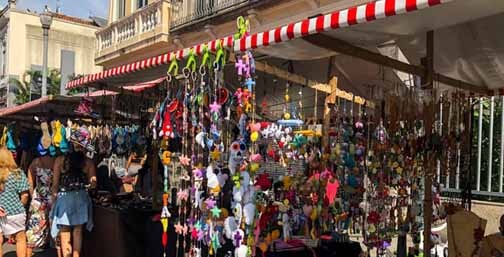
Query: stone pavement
{"type": "Point", "coordinates": [10, 251]}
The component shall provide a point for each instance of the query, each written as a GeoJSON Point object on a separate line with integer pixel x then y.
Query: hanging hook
{"type": "Point", "coordinates": [173, 68]}
{"type": "Point", "coordinates": [243, 27]}
{"type": "Point", "coordinates": [191, 61]}
{"type": "Point", "coordinates": [204, 60]}
{"type": "Point", "coordinates": [220, 56]}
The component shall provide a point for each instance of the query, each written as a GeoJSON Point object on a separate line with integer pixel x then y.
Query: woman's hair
{"type": "Point", "coordinates": [7, 165]}
{"type": "Point", "coordinates": [75, 162]}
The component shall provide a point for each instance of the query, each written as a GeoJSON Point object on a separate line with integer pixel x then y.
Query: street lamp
{"type": "Point", "coordinates": [46, 21]}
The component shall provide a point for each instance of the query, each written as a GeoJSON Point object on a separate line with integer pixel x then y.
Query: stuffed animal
{"type": "Point", "coordinates": [236, 154]}
{"type": "Point", "coordinates": [230, 227]}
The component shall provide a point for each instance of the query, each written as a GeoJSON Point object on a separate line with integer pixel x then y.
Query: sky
{"type": "Point", "coordinates": [78, 8]}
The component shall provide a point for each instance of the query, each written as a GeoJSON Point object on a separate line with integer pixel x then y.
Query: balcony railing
{"type": "Point", "coordinates": [133, 26]}
{"type": "Point", "coordinates": [191, 11]}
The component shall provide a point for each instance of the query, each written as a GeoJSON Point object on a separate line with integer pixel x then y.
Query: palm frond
{"type": "Point", "coordinates": [21, 91]}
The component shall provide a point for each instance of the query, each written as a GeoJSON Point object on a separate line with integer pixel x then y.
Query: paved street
{"type": "Point", "coordinates": [10, 251]}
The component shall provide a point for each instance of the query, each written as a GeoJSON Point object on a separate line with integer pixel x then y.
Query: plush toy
{"type": "Point", "coordinates": [238, 212]}
{"type": "Point", "coordinates": [200, 138]}
{"type": "Point", "coordinates": [212, 179]}
{"type": "Point", "coordinates": [167, 129]}
{"type": "Point", "coordinates": [236, 154]}
{"type": "Point", "coordinates": [241, 251]}
{"type": "Point", "coordinates": [230, 227]}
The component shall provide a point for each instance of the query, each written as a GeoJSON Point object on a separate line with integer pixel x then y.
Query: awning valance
{"type": "Point", "coordinates": [152, 62]}
{"type": "Point", "coordinates": [339, 19]}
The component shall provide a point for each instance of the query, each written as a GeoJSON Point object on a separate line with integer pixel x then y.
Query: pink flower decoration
{"type": "Point", "coordinates": [215, 107]}
{"type": "Point", "coordinates": [179, 229]}
{"type": "Point", "coordinates": [255, 157]}
{"type": "Point", "coordinates": [182, 195]}
{"type": "Point", "coordinates": [197, 173]}
{"type": "Point", "coordinates": [184, 160]}
{"type": "Point", "coordinates": [210, 203]}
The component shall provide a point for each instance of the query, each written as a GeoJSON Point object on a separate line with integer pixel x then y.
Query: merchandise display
{"type": "Point", "coordinates": [226, 176]}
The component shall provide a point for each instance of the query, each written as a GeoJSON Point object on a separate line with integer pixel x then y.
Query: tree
{"type": "Point", "coordinates": [31, 85]}
{"type": "Point", "coordinates": [77, 90]}
{"type": "Point", "coordinates": [21, 90]}
{"type": "Point", "coordinates": [53, 82]}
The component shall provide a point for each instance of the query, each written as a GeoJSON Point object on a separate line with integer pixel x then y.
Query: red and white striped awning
{"type": "Point", "coordinates": [356, 15]}
{"type": "Point", "coordinates": [365, 13]}
{"type": "Point", "coordinates": [150, 62]}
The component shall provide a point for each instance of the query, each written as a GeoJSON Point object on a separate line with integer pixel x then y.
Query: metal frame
{"type": "Point", "coordinates": [481, 135]}
{"type": "Point", "coordinates": [205, 10]}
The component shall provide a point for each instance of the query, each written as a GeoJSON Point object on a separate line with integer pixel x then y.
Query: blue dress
{"type": "Point", "coordinates": [73, 205]}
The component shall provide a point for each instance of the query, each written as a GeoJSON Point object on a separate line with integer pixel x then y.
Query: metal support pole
{"type": "Point", "coordinates": [450, 109]}
{"type": "Point", "coordinates": [490, 145]}
{"type": "Point", "coordinates": [315, 110]}
{"type": "Point", "coordinates": [440, 131]}
{"type": "Point", "coordinates": [457, 124]}
{"type": "Point", "coordinates": [480, 128]}
{"type": "Point", "coordinates": [457, 176]}
{"type": "Point", "coordinates": [429, 67]}
{"type": "Point", "coordinates": [44, 65]}
{"type": "Point", "coordinates": [501, 167]}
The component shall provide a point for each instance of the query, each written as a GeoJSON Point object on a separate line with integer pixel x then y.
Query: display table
{"type": "Point", "coordinates": [124, 233]}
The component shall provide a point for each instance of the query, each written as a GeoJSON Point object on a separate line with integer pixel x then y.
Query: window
{"type": "Point", "coordinates": [67, 64]}
{"type": "Point", "coordinates": [204, 7]}
{"type": "Point", "coordinates": [142, 3]}
{"type": "Point", "coordinates": [121, 8]}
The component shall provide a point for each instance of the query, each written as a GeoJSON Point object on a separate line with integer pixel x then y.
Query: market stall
{"type": "Point", "coordinates": [238, 178]}
{"type": "Point", "coordinates": [109, 127]}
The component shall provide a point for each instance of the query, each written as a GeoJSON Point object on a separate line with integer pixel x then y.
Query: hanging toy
{"type": "Point", "coordinates": [215, 110]}
{"type": "Point", "coordinates": [250, 83]}
{"type": "Point", "coordinates": [236, 154]}
{"type": "Point", "coordinates": [381, 133]}
{"type": "Point", "coordinates": [165, 215]}
{"type": "Point", "coordinates": [241, 67]}
{"type": "Point", "coordinates": [243, 28]}
{"type": "Point", "coordinates": [251, 62]}
{"type": "Point", "coordinates": [242, 123]}
{"type": "Point", "coordinates": [167, 129]}
{"type": "Point", "coordinates": [239, 96]}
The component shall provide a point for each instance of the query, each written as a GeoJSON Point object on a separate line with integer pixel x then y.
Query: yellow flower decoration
{"type": "Point", "coordinates": [215, 154]}
{"type": "Point", "coordinates": [287, 182]}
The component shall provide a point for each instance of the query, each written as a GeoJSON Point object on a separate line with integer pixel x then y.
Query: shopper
{"type": "Point", "coordinates": [72, 209]}
{"type": "Point", "coordinates": [13, 196]}
{"type": "Point", "coordinates": [40, 177]}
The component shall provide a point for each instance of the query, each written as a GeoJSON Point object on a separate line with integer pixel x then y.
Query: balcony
{"type": "Point", "coordinates": [189, 12]}
{"type": "Point", "coordinates": [143, 30]}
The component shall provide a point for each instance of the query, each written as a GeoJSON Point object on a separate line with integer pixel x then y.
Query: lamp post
{"type": "Point", "coordinates": [46, 21]}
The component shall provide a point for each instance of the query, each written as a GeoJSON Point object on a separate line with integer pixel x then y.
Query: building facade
{"type": "Point", "coordinates": [71, 47]}
{"type": "Point", "coordinates": [137, 29]}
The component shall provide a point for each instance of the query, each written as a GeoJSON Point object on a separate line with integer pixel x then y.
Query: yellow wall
{"type": "Point", "coordinates": [25, 44]}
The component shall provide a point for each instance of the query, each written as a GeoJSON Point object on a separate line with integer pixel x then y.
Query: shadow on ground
{"type": "Point", "coordinates": [10, 251]}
